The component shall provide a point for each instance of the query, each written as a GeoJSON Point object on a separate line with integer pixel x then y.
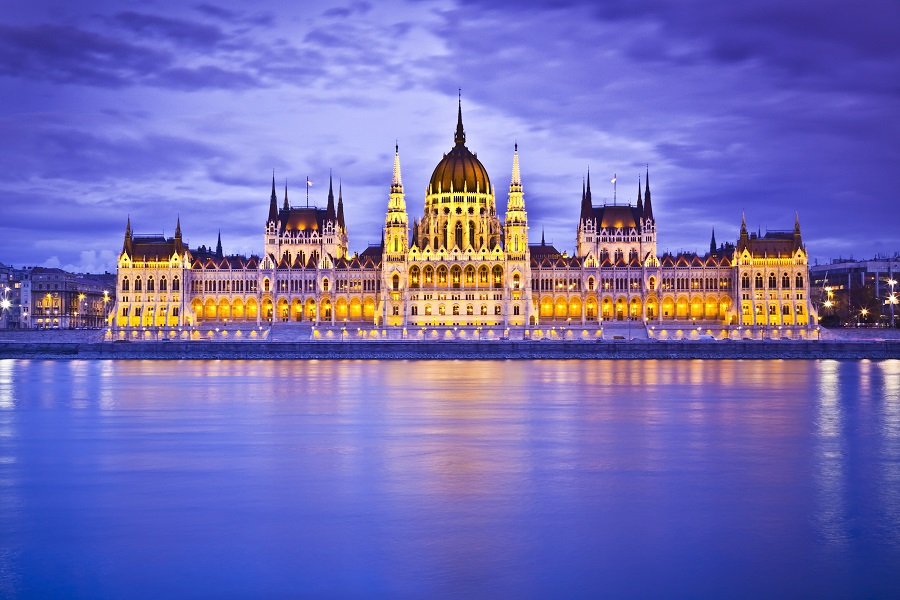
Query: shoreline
{"type": "Point", "coordinates": [441, 350]}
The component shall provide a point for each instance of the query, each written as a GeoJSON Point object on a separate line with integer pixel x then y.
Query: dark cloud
{"type": "Point", "coordinates": [178, 31]}
{"type": "Point", "coordinates": [66, 54]}
{"type": "Point", "coordinates": [348, 11]}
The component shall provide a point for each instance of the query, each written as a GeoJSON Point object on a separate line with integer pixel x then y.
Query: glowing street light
{"type": "Point", "coordinates": [892, 299]}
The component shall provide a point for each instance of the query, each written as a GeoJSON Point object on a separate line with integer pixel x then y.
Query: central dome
{"type": "Point", "coordinates": [460, 170]}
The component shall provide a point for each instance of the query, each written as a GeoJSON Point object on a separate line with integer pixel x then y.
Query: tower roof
{"type": "Point", "coordinates": [459, 170]}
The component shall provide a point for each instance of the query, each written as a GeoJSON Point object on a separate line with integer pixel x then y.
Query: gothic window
{"type": "Point", "coordinates": [618, 255]}
{"type": "Point", "coordinates": [442, 275]}
{"type": "Point", "coordinates": [163, 284]}
{"type": "Point", "coordinates": [483, 275]}
{"type": "Point", "coordinates": [429, 275]}
{"type": "Point", "coordinates": [786, 310]}
{"type": "Point", "coordinates": [266, 284]}
{"type": "Point", "coordinates": [497, 309]}
{"type": "Point", "coordinates": [428, 310]}
{"type": "Point", "coordinates": [396, 310]}
{"type": "Point", "coordinates": [470, 310]}
{"type": "Point", "coordinates": [745, 281]}
{"type": "Point", "coordinates": [325, 284]}
{"type": "Point", "coordinates": [442, 310]}
{"type": "Point", "coordinates": [590, 284]}
{"type": "Point", "coordinates": [483, 310]}
{"type": "Point", "coordinates": [470, 275]}
{"type": "Point", "coordinates": [455, 275]}
{"type": "Point", "coordinates": [799, 309]}
{"type": "Point", "coordinates": [414, 277]}
{"type": "Point", "coordinates": [459, 235]}
{"type": "Point", "coordinates": [516, 310]}
{"type": "Point", "coordinates": [395, 282]}
{"type": "Point", "coordinates": [758, 283]}
{"type": "Point", "coordinates": [498, 276]}
{"type": "Point", "coordinates": [137, 284]}
{"type": "Point", "coordinates": [799, 284]}
{"type": "Point", "coordinates": [652, 283]}
{"type": "Point", "coordinates": [125, 285]}
{"type": "Point", "coordinates": [785, 281]}
{"type": "Point", "coordinates": [414, 310]}
{"type": "Point", "coordinates": [516, 281]}
{"type": "Point", "coordinates": [772, 281]}
{"type": "Point", "coordinates": [471, 232]}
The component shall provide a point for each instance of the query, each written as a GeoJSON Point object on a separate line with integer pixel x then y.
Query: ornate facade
{"type": "Point", "coordinates": [463, 266]}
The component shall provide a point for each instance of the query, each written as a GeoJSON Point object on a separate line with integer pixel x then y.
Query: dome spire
{"type": "Point", "coordinates": [460, 132]}
{"type": "Point", "coordinates": [286, 205]}
{"type": "Point", "coordinates": [273, 202]}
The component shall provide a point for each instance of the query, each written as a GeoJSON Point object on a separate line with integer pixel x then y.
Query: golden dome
{"type": "Point", "coordinates": [460, 170]}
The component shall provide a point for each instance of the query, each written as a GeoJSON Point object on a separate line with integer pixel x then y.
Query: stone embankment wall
{"type": "Point", "coordinates": [497, 350]}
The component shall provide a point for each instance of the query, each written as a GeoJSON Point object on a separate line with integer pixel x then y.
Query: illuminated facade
{"type": "Point", "coordinates": [461, 266]}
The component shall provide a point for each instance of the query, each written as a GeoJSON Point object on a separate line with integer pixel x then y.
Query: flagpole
{"type": "Point", "coordinates": [614, 179]}
{"type": "Point", "coordinates": [307, 191]}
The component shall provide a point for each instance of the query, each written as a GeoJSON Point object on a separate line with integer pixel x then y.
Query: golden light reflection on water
{"type": "Point", "coordinates": [830, 467]}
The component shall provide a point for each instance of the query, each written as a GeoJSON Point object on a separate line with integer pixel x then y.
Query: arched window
{"type": "Point", "coordinates": [456, 310]}
{"type": "Point", "coordinates": [414, 310]}
{"type": "Point", "coordinates": [266, 284]}
{"type": "Point", "coordinates": [516, 310]}
{"type": "Point", "coordinates": [652, 283]}
{"type": "Point", "coordinates": [428, 310]}
{"type": "Point", "coordinates": [325, 284]}
{"type": "Point", "coordinates": [429, 275]}
{"type": "Point", "coordinates": [745, 281]}
{"type": "Point", "coordinates": [137, 284]}
{"type": "Point", "coordinates": [470, 275]}
{"type": "Point", "coordinates": [455, 276]}
{"type": "Point", "coordinates": [786, 310]}
{"type": "Point", "coordinates": [785, 281]}
{"type": "Point", "coordinates": [442, 310]}
{"type": "Point", "coordinates": [618, 255]}
{"type": "Point", "coordinates": [395, 282]}
{"type": "Point", "coordinates": [758, 283]}
{"type": "Point", "coordinates": [459, 235]}
{"type": "Point", "coordinates": [591, 284]}
{"type": "Point", "coordinates": [414, 277]}
{"type": "Point", "coordinates": [163, 284]}
{"type": "Point", "coordinates": [498, 276]}
{"type": "Point", "coordinates": [442, 275]}
{"type": "Point", "coordinates": [516, 281]}
{"type": "Point", "coordinates": [772, 281]}
{"type": "Point", "coordinates": [150, 284]}
{"type": "Point", "coordinates": [483, 310]}
{"type": "Point", "coordinates": [471, 234]}
{"type": "Point", "coordinates": [125, 284]}
{"type": "Point", "coordinates": [470, 310]}
{"type": "Point", "coordinates": [799, 284]}
{"type": "Point", "coordinates": [483, 275]}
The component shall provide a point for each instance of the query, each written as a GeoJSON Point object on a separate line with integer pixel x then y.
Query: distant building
{"type": "Point", "coordinates": [56, 299]}
{"type": "Point", "coordinates": [462, 265]}
{"type": "Point", "coordinates": [856, 292]}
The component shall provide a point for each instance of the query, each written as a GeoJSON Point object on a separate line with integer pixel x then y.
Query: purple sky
{"type": "Point", "coordinates": [155, 109]}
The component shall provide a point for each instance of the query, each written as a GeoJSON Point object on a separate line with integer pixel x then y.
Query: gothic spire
{"type": "Point", "coordinates": [396, 181]}
{"type": "Point", "coordinates": [516, 173]}
{"type": "Point", "coordinates": [273, 202]}
{"type": "Point", "coordinates": [712, 242]}
{"type": "Point", "coordinates": [286, 205]}
{"type": "Point", "coordinates": [329, 210]}
{"type": "Point", "coordinates": [219, 253]}
{"type": "Point", "coordinates": [460, 132]}
{"type": "Point", "coordinates": [640, 202]}
{"type": "Point", "coordinates": [797, 223]}
{"type": "Point", "coordinates": [648, 206]}
{"type": "Point", "coordinates": [126, 247]}
{"type": "Point", "coordinates": [178, 228]}
{"type": "Point", "coordinates": [588, 193]}
{"type": "Point", "coordinates": [587, 209]}
{"type": "Point", "coordinates": [543, 243]}
{"type": "Point", "coordinates": [340, 209]}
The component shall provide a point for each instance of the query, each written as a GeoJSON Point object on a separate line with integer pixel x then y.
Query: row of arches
{"type": "Point", "coordinates": [429, 276]}
{"type": "Point", "coordinates": [772, 281]}
{"type": "Point", "coordinates": [239, 310]}
{"type": "Point", "coordinates": [622, 308]}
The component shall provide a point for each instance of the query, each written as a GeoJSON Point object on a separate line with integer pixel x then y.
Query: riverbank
{"type": "Point", "coordinates": [475, 350]}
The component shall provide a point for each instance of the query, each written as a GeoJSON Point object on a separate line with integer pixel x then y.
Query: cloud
{"type": "Point", "coordinates": [181, 32]}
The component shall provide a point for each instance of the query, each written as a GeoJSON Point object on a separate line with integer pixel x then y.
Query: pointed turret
{"type": "Point", "coordinates": [587, 209]}
{"type": "Point", "coordinates": [286, 205]}
{"type": "Point", "coordinates": [640, 202]}
{"type": "Point", "coordinates": [273, 203]}
{"type": "Point", "coordinates": [516, 229]}
{"type": "Point", "coordinates": [179, 244]}
{"type": "Point", "coordinates": [543, 243]}
{"type": "Point", "coordinates": [460, 137]}
{"type": "Point", "coordinates": [219, 253]}
{"type": "Point", "coordinates": [329, 210]}
{"type": "Point", "coordinates": [712, 242]}
{"type": "Point", "coordinates": [744, 237]}
{"type": "Point", "coordinates": [340, 208]}
{"type": "Point", "coordinates": [648, 206]}
{"type": "Point", "coordinates": [126, 247]}
{"type": "Point", "coordinates": [798, 241]}
{"type": "Point", "coordinates": [396, 180]}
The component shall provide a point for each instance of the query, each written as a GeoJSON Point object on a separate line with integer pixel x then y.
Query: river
{"type": "Point", "coordinates": [448, 479]}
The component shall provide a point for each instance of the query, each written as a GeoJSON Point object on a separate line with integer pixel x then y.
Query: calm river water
{"type": "Point", "coordinates": [396, 479]}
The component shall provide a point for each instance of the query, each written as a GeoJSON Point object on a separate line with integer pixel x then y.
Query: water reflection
{"type": "Point", "coordinates": [429, 478]}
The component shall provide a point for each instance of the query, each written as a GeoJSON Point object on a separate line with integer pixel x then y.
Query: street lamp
{"type": "Point", "coordinates": [892, 299]}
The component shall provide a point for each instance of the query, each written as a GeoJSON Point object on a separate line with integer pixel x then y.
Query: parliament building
{"type": "Point", "coordinates": [460, 270]}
